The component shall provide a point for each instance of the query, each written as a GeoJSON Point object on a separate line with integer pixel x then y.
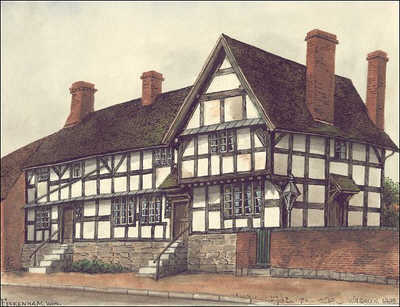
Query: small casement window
{"type": "Point", "coordinates": [123, 210]}
{"type": "Point", "coordinates": [258, 197]}
{"type": "Point", "coordinates": [76, 170]}
{"type": "Point", "coordinates": [168, 208]}
{"type": "Point", "coordinates": [78, 212]}
{"type": "Point", "coordinates": [340, 149]}
{"type": "Point", "coordinates": [163, 157]}
{"type": "Point", "coordinates": [43, 174]}
{"type": "Point", "coordinates": [42, 219]}
{"type": "Point", "coordinates": [221, 141]}
{"type": "Point", "coordinates": [150, 210]}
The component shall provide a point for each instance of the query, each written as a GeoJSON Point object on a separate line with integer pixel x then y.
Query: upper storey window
{"type": "Point", "coordinates": [221, 142]}
{"type": "Point", "coordinates": [340, 150]}
{"type": "Point", "coordinates": [162, 157]}
{"type": "Point", "coordinates": [43, 174]}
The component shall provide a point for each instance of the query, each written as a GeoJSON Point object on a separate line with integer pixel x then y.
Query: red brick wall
{"type": "Point", "coordinates": [373, 252]}
{"type": "Point", "coordinates": [14, 225]}
{"type": "Point", "coordinates": [246, 249]}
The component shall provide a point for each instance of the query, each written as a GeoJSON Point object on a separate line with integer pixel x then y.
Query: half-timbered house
{"type": "Point", "coordinates": [258, 143]}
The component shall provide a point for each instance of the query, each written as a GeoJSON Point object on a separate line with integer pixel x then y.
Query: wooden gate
{"type": "Point", "coordinates": [263, 247]}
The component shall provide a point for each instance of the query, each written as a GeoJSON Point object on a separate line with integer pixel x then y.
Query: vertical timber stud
{"type": "Point", "coordinates": [206, 209]}
{"type": "Point", "coordinates": [350, 163]}
{"type": "Point", "coordinates": [128, 171]}
{"type": "Point", "coordinates": [96, 220]}
{"type": "Point", "coordinates": [82, 176]}
{"type": "Point", "coordinates": [305, 186]}
{"type": "Point", "coordinates": [327, 179]}
{"type": "Point", "coordinates": [113, 171]}
{"type": "Point", "coordinates": [221, 206]}
{"type": "Point", "coordinates": [262, 208]}
{"type": "Point", "coordinates": [235, 153]}
{"type": "Point", "coordinates": [366, 184]}
{"type": "Point", "coordinates": [97, 176]}
{"type": "Point", "coordinates": [252, 146]}
{"type": "Point", "coordinates": [244, 111]}
{"type": "Point", "coordinates": [141, 170]}
{"type": "Point", "coordinates": [201, 113]}
{"type": "Point", "coordinates": [222, 110]}
{"type": "Point", "coordinates": [290, 154]}
{"type": "Point", "coordinates": [268, 155]}
{"type": "Point", "coordinates": [196, 157]}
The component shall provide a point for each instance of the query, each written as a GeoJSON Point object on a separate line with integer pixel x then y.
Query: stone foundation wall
{"type": "Point", "coordinates": [212, 253]}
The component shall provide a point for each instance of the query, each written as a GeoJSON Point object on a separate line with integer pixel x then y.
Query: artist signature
{"type": "Point", "coordinates": [6, 302]}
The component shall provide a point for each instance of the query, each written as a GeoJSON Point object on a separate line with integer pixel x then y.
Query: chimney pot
{"type": "Point", "coordinates": [82, 102]}
{"type": "Point", "coordinates": [151, 86]}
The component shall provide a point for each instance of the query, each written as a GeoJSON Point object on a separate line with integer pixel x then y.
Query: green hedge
{"type": "Point", "coordinates": [96, 266]}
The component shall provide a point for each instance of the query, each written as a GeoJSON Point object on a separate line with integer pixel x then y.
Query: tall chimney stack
{"type": "Point", "coordinates": [320, 84]}
{"type": "Point", "coordinates": [376, 85]}
{"type": "Point", "coordinates": [151, 86]}
{"type": "Point", "coordinates": [82, 102]}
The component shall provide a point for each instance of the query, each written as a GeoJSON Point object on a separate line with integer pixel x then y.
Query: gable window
{"type": "Point", "coordinates": [221, 141]}
{"type": "Point", "coordinates": [42, 220]}
{"type": "Point", "coordinates": [123, 211]}
{"type": "Point", "coordinates": [242, 199]}
{"type": "Point", "coordinates": [76, 170]}
{"type": "Point", "coordinates": [150, 210]}
{"type": "Point", "coordinates": [340, 149]}
{"type": "Point", "coordinates": [162, 157]}
{"type": "Point", "coordinates": [43, 174]}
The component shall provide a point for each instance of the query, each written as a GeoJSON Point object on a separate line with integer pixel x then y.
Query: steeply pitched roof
{"type": "Point", "coordinates": [12, 164]}
{"type": "Point", "coordinates": [124, 126]}
{"type": "Point", "coordinates": [280, 86]}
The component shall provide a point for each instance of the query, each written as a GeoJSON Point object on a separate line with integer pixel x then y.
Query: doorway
{"type": "Point", "coordinates": [181, 219]}
{"type": "Point", "coordinates": [67, 224]}
{"type": "Point", "coordinates": [337, 210]}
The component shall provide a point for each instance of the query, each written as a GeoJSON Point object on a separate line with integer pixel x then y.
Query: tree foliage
{"type": "Point", "coordinates": [390, 206]}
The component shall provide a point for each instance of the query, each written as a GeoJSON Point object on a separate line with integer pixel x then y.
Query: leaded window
{"type": "Point", "coordinates": [163, 157]}
{"type": "Point", "coordinates": [222, 141]}
{"type": "Point", "coordinates": [168, 209]}
{"type": "Point", "coordinates": [43, 174]}
{"type": "Point", "coordinates": [42, 219]}
{"type": "Point", "coordinates": [151, 210]}
{"type": "Point", "coordinates": [340, 149]}
{"type": "Point", "coordinates": [78, 211]}
{"type": "Point", "coordinates": [258, 196]}
{"type": "Point", "coordinates": [123, 210]}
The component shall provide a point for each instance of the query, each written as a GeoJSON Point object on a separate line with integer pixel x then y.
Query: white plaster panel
{"type": "Point", "coordinates": [41, 188]}
{"type": "Point", "coordinates": [202, 143]}
{"type": "Point", "coordinates": [90, 166]}
{"type": "Point", "coordinates": [31, 195]}
{"type": "Point", "coordinates": [227, 164]}
{"type": "Point", "coordinates": [198, 221]}
{"type": "Point", "coordinates": [317, 168]}
{"type": "Point", "coordinates": [161, 174]}
{"type": "Point", "coordinates": [65, 193]}
{"type": "Point", "coordinates": [358, 174]}
{"type": "Point", "coordinates": [299, 142]}
{"type": "Point", "coordinates": [54, 212]}
{"type": "Point", "coordinates": [280, 164]}
{"type": "Point", "coordinates": [133, 232]}
{"type": "Point", "coordinates": [228, 223]}
{"type": "Point", "coordinates": [243, 138]}
{"type": "Point", "coordinates": [66, 174]}
{"type": "Point", "coordinates": [199, 197]}
{"type": "Point", "coordinates": [374, 200]}
{"type": "Point", "coordinates": [31, 233]}
{"type": "Point", "coordinates": [259, 160]}
{"type": "Point", "coordinates": [316, 193]}
{"type": "Point", "coordinates": [257, 141]}
{"type": "Point", "coordinates": [315, 218]}
{"type": "Point", "coordinates": [187, 168]}
{"type": "Point", "coordinates": [189, 150]}
{"type": "Point", "coordinates": [194, 121]}
{"type": "Point", "coordinates": [354, 218]}
{"type": "Point", "coordinates": [175, 156]}
{"type": "Point", "coordinates": [54, 195]}
{"type": "Point", "coordinates": [214, 221]}
{"type": "Point", "coordinates": [298, 166]}
{"type": "Point", "coordinates": [233, 108]}
{"type": "Point", "coordinates": [243, 162]}
{"type": "Point", "coordinates": [105, 186]}
{"type": "Point", "coordinates": [214, 165]}
{"type": "Point", "coordinates": [158, 231]}
{"type": "Point", "coordinates": [270, 191]}
{"type": "Point", "coordinates": [214, 195]}
{"type": "Point", "coordinates": [241, 223]}
{"type": "Point", "coordinates": [90, 187]}
{"type": "Point", "coordinates": [77, 230]}
{"type": "Point", "coordinates": [88, 230]}
{"type": "Point", "coordinates": [147, 181]}
{"type": "Point", "coordinates": [76, 189]}
{"type": "Point", "coordinates": [104, 206]}
{"type": "Point", "coordinates": [54, 228]}
{"type": "Point", "coordinates": [372, 156]}
{"type": "Point", "coordinates": [135, 161]}
{"type": "Point", "coordinates": [332, 148]}
{"type": "Point", "coordinates": [31, 215]}
{"type": "Point", "coordinates": [45, 235]}
{"type": "Point", "coordinates": [301, 190]}
{"type": "Point", "coordinates": [119, 232]}
{"type": "Point", "coordinates": [374, 177]}
{"type": "Point", "coordinates": [373, 219]}
{"type": "Point", "coordinates": [225, 64]}
{"type": "Point", "coordinates": [212, 112]}
{"type": "Point", "coordinates": [134, 183]}
{"type": "Point", "coordinates": [359, 152]}
{"type": "Point", "coordinates": [202, 167]}
{"type": "Point", "coordinates": [251, 109]}
{"type": "Point", "coordinates": [53, 175]}
{"type": "Point", "coordinates": [297, 217]}
{"type": "Point", "coordinates": [357, 199]}
{"type": "Point", "coordinates": [120, 184]}
{"type": "Point", "coordinates": [339, 168]}
{"type": "Point", "coordinates": [284, 142]}
{"type": "Point", "coordinates": [122, 168]}
{"type": "Point", "coordinates": [89, 208]}
{"type": "Point", "coordinates": [317, 145]}
{"type": "Point", "coordinates": [147, 159]}
{"type": "Point", "coordinates": [103, 166]}
{"type": "Point", "coordinates": [39, 235]}
{"type": "Point", "coordinates": [272, 217]}
{"type": "Point", "coordinates": [224, 82]}
{"type": "Point", "coordinates": [103, 230]}
{"type": "Point", "coordinates": [256, 222]}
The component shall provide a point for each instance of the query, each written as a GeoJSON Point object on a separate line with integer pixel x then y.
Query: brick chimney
{"type": "Point", "coordinates": [82, 102]}
{"type": "Point", "coordinates": [320, 84]}
{"type": "Point", "coordinates": [151, 86]}
{"type": "Point", "coordinates": [376, 85]}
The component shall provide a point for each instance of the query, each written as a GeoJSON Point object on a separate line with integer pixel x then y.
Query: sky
{"type": "Point", "coordinates": [46, 46]}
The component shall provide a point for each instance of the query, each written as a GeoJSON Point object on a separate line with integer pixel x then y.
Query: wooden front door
{"type": "Point", "coordinates": [68, 224]}
{"type": "Point", "coordinates": [181, 219]}
{"type": "Point", "coordinates": [337, 211]}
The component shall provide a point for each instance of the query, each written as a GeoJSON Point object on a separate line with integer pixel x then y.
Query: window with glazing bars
{"type": "Point", "coordinates": [123, 210]}
{"type": "Point", "coordinates": [151, 210]}
{"type": "Point", "coordinates": [221, 141]}
{"type": "Point", "coordinates": [43, 174]}
{"type": "Point", "coordinates": [163, 157]}
{"type": "Point", "coordinates": [42, 219]}
{"type": "Point", "coordinates": [340, 149]}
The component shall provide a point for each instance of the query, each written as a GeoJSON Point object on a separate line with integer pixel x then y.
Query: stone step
{"type": "Point", "coordinates": [168, 256]}
{"type": "Point", "coordinates": [53, 257]}
{"type": "Point", "coordinates": [259, 272]}
{"type": "Point", "coordinates": [58, 251]}
{"type": "Point", "coordinates": [48, 263]}
{"type": "Point", "coordinates": [41, 270]}
{"type": "Point", "coordinates": [147, 270]}
{"type": "Point", "coordinates": [163, 262]}
{"type": "Point", "coordinates": [176, 244]}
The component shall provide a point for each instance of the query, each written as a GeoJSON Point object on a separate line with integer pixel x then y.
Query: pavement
{"type": "Point", "coordinates": [215, 287]}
